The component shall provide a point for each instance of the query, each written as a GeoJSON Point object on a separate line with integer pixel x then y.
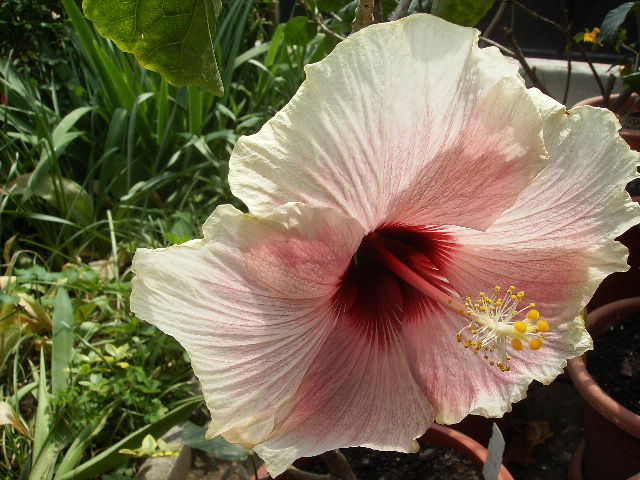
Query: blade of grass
{"type": "Point", "coordinates": [112, 457]}
{"type": "Point", "coordinates": [81, 443]}
{"type": "Point", "coordinates": [45, 448]}
{"type": "Point", "coordinates": [62, 340]}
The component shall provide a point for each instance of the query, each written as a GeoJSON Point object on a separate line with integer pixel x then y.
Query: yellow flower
{"type": "Point", "coordinates": [592, 36]}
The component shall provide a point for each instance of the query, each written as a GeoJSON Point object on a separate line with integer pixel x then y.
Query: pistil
{"type": "Point", "coordinates": [495, 323]}
{"type": "Point", "coordinates": [394, 264]}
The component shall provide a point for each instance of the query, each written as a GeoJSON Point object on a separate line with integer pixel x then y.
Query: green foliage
{"type": "Point", "coordinates": [111, 380]}
{"type": "Point", "coordinates": [613, 21]}
{"type": "Point", "coordinates": [28, 26]}
{"type": "Point", "coordinates": [194, 437]}
{"type": "Point", "coordinates": [174, 38]}
{"type": "Point", "coordinates": [102, 157]}
{"type": "Point", "coordinates": [463, 12]}
{"type": "Point", "coordinates": [299, 31]}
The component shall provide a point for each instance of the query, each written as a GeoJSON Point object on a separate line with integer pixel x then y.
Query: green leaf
{"type": "Point", "coordinates": [111, 457]}
{"type": "Point", "coordinates": [45, 446]}
{"type": "Point", "coordinates": [171, 37]}
{"type": "Point", "coordinates": [613, 21]}
{"type": "Point", "coordinates": [194, 437]}
{"type": "Point", "coordinates": [62, 193]}
{"type": "Point", "coordinates": [82, 441]}
{"type": "Point", "coordinates": [61, 137]}
{"type": "Point", "coordinates": [299, 31]}
{"type": "Point", "coordinates": [62, 341]}
{"type": "Point", "coordinates": [331, 5]}
{"type": "Point", "coordinates": [463, 12]}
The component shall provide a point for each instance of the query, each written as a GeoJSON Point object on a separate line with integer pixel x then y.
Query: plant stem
{"type": "Point", "coordinates": [364, 15]}
{"type": "Point", "coordinates": [530, 72]}
{"type": "Point", "coordinates": [297, 474]}
{"type": "Point", "coordinates": [496, 18]}
{"type": "Point", "coordinates": [401, 10]}
{"type": "Point", "coordinates": [338, 465]}
{"type": "Point", "coordinates": [567, 34]}
{"type": "Point", "coordinates": [504, 49]}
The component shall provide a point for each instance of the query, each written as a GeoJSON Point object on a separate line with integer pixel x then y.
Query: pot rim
{"type": "Point", "coordinates": [443, 436]}
{"type": "Point", "coordinates": [587, 386]}
{"type": "Point", "coordinates": [448, 437]}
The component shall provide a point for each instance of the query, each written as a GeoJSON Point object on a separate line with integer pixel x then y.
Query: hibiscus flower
{"type": "Point", "coordinates": [414, 198]}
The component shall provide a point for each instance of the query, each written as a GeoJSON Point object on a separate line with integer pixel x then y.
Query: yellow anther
{"type": "Point", "coordinates": [499, 302]}
{"type": "Point", "coordinates": [533, 315]}
{"type": "Point", "coordinates": [535, 344]}
{"type": "Point", "coordinates": [483, 308]}
{"type": "Point", "coordinates": [482, 294]}
{"type": "Point", "coordinates": [517, 344]}
{"type": "Point", "coordinates": [520, 294]}
{"type": "Point", "coordinates": [543, 326]}
{"type": "Point", "coordinates": [514, 297]}
{"type": "Point", "coordinates": [532, 304]}
{"type": "Point", "coordinates": [459, 337]}
{"type": "Point", "coordinates": [461, 312]}
{"type": "Point", "coordinates": [520, 326]}
{"type": "Point", "coordinates": [511, 288]}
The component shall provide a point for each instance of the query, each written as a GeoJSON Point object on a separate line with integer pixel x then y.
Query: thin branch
{"type": "Point", "coordinates": [530, 72]}
{"type": "Point", "coordinates": [324, 27]}
{"type": "Point", "coordinates": [504, 49]}
{"type": "Point", "coordinates": [568, 49]}
{"type": "Point", "coordinates": [496, 19]}
{"type": "Point", "coordinates": [338, 465]}
{"type": "Point", "coordinates": [296, 474]}
{"type": "Point", "coordinates": [378, 12]}
{"type": "Point", "coordinates": [567, 34]}
{"type": "Point", "coordinates": [627, 91]}
{"type": "Point", "coordinates": [595, 73]}
{"type": "Point", "coordinates": [567, 82]}
{"type": "Point", "coordinates": [401, 10]}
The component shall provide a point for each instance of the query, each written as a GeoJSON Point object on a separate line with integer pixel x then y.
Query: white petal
{"type": "Point", "coordinates": [251, 304]}
{"type": "Point", "coordinates": [359, 392]}
{"type": "Point", "coordinates": [405, 122]}
{"type": "Point", "coordinates": [556, 243]}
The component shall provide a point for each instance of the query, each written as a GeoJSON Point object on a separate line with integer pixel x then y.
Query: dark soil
{"type": "Point", "coordinates": [431, 462]}
{"type": "Point", "coordinates": [615, 363]}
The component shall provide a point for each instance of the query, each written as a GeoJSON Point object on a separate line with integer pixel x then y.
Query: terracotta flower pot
{"type": "Point", "coordinates": [622, 284]}
{"type": "Point", "coordinates": [443, 437]}
{"type": "Point", "coordinates": [611, 446]}
{"type": "Point", "coordinates": [448, 437]}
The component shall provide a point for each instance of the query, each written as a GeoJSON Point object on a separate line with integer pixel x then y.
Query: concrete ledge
{"type": "Point", "coordinates": [553, 74]}
{"type": "Point", "coordinates": [168, 468]}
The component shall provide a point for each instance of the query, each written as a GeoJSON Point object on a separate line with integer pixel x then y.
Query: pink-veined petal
{"type": "Point", "coordinates": [407, 121]}
{"type": "Point", "coordinates": [251, 304]}
{"type": "Point", "coordinates": [556, 243]}
{"type": "Point", "coordinates": [457, 382]}
{"type": "Point", "coordinates": [357, 392]}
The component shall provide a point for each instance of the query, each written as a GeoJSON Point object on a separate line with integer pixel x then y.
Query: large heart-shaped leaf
{"type": "Point", "coordinates": [463, 12]}
{"type": "Point", "coordinates": [171, 37]}
{"type": "Point", "coordinates": [613, 21]}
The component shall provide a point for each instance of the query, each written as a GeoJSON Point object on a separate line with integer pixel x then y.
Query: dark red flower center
{"type": "Point", "coordinates": [374, 296]}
